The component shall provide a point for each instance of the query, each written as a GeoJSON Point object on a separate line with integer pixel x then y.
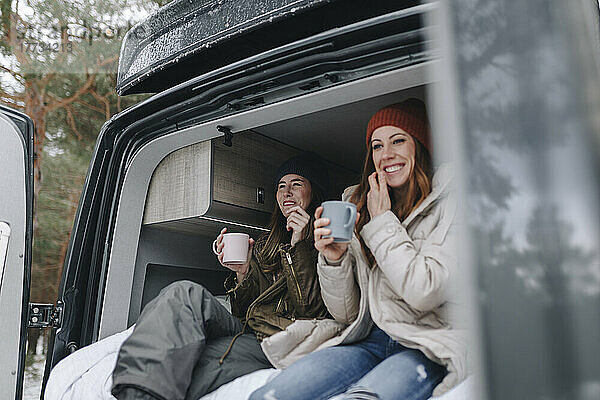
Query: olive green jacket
{"type": "Point", "coordinates": [270, 301]}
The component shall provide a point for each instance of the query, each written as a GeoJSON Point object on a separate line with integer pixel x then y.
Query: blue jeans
{"type": "Point", "coordinates": [376, 368]}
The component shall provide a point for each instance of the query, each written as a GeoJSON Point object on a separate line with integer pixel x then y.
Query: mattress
{"type": "Point", "coordinates": [87, 374]}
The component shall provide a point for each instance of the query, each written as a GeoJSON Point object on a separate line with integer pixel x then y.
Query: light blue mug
{"type": "Point", "coordinates": [342, 215]}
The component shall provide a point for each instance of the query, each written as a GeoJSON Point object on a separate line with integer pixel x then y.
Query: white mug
{"type": "Point", "coordinates": [235, 248]}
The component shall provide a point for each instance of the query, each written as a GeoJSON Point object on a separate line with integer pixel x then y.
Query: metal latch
{"type": "Point", "coordinates": [228, 135]}
{"type": "Point", "coordinates": [45, 315]}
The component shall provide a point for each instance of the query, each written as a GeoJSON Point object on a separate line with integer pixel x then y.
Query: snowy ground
{"type": "Point", "coordinates": [34, 373]}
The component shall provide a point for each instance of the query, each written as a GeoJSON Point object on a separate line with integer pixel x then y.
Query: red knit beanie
{"type": "Point", "coordinates": [409, 115]}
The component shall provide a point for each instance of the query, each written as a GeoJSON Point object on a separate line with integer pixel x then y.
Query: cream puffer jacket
{"type": "Point", "coordinates": [409, 293]}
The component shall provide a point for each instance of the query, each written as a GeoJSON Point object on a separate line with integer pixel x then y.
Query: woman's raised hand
{"type": "Point", "coordinates": [378, 198]}
{"type": "Point", "coordinates": [240, 269]}
{"type": "Point", "coordinates": [331, 250]}
{"type": "Point", "coordinates": [297, 221]}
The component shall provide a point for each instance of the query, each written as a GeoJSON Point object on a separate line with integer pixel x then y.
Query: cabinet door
{"type": "Point", "coordinates": [222, 182]}
{"type": "Point", "coordinates": [245, 168]}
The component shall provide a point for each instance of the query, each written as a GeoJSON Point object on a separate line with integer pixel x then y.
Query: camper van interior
{"type": "Point", "coordinates": [182, 188]}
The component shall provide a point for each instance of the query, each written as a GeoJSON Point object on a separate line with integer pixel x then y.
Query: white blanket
{"type": "Point", "coordinates": [87, 374]}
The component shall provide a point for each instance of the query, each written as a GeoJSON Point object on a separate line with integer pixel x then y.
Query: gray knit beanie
{"type": "Point", "coordinates": [308, 165]}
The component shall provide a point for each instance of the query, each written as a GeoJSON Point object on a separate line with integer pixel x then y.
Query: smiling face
{"type": "Point", "coordinates": [394, 154]}
{"type": "Point", "coordinates": [293, 190]}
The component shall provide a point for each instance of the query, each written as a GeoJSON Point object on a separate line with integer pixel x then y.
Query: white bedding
{"type": "Point", "coordinates": [87, 374]}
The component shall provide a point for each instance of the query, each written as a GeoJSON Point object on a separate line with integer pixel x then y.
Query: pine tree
{"type": "Point", "coordinates": [58, 66]}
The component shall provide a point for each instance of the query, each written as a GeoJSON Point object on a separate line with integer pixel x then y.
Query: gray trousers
{"type": "Point", "coordinates": [175, 348]}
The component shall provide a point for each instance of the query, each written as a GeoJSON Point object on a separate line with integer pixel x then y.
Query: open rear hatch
{"type": "Point", "coordinates": [394, 40]}
{"type": "Point", "coordinates": [186, 38]}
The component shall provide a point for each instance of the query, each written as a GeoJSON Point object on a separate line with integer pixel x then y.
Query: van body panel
{"type": "Point", "coordinates": [185, 38]}
{"type": "Point", "coordinates": [16, 227]}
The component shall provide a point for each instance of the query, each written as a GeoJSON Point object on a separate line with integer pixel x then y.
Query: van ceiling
{"type": "Point", "coordinates": [336, 134]}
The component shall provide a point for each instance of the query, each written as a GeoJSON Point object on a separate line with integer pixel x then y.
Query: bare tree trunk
{"type": "Point", "coordinates": [33, 335]}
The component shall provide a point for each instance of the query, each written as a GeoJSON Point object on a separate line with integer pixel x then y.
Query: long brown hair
{"type": "Point", "coordinates": [416, 189]}
{"type": "Point", "coordinates": [278, 233]}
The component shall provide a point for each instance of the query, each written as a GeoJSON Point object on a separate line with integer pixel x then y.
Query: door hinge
{"type": "Point", "coordinates": [45, 315]}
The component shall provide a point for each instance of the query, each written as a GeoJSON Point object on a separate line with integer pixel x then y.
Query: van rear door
{"type": "Point", "coordinates": [16, 227]}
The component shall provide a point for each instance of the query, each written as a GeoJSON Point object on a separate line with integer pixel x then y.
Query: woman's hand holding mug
{"type": "Point", "coordinates": [333, 251]}
{"type": "Point", "coordinates": [241, 269]}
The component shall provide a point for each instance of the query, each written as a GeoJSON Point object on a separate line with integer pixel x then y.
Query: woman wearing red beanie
{"type": "Point", "coordinates": [390, 284]}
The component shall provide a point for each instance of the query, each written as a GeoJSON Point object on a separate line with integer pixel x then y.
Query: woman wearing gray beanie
{"type": "Point", "coordinates": [186, 344]}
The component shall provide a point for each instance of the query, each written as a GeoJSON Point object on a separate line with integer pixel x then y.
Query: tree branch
{"type": "Point", "coordinates": [71, 122]}
{"type": "Point", "coordinates": [49, 267]}
{"type": "Point", "coordinates": [102, 99]}
{"type": "Point", "coordinates": [107, 61]}
{"type": "Point", "coordinates": [15, 74]}
{"type": "Point", "coordinates": [83, 89]}
{"type": "Point", "coordinates": [91, 106]}
{"type": "Point", "coordinates": [12, 96]}
{"type": "Point", "coordinates": [83, 103]}
{"type": "Point", "coordinates": [11, 104]}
